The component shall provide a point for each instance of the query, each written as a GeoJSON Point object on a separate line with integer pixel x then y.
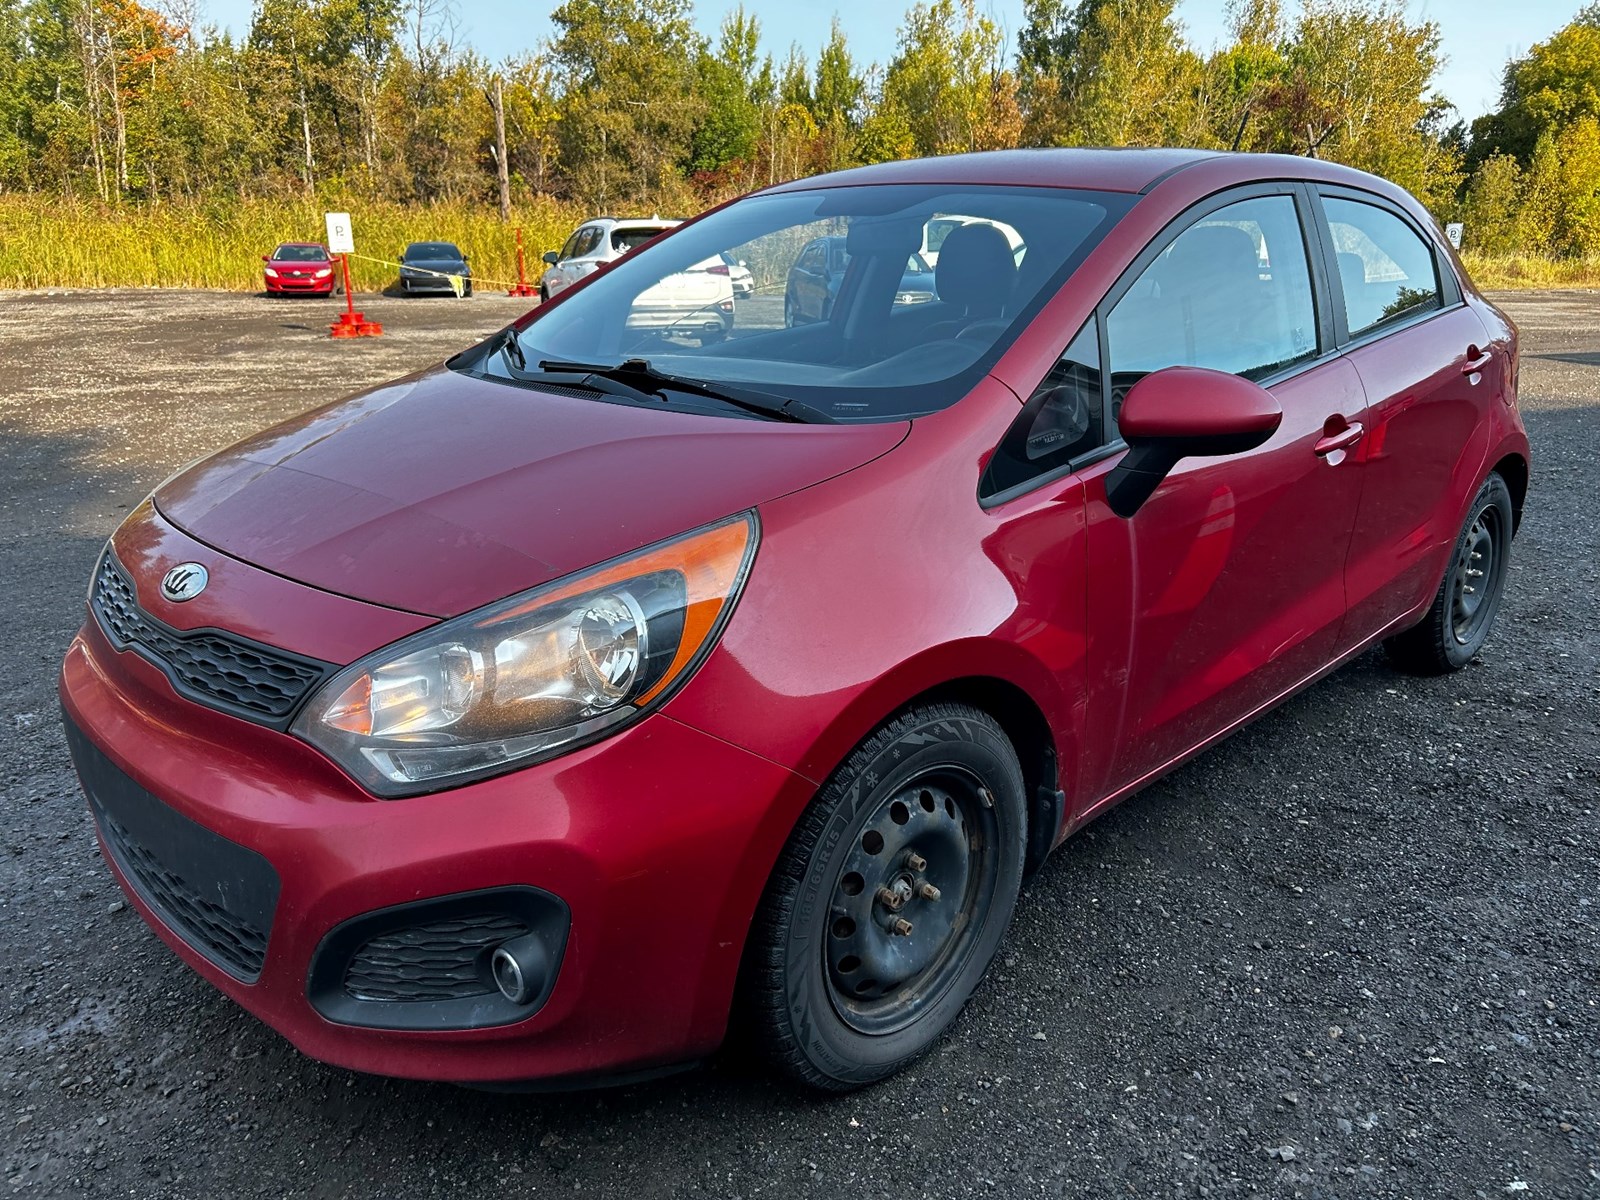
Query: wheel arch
{"type": "Point", "coordinates": [1513, 468]}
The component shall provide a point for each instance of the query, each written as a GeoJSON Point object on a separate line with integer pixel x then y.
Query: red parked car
{"type": "Point", "coordinates": [299, 269]}
{"type": "Point", "coordinates": [530, 716]}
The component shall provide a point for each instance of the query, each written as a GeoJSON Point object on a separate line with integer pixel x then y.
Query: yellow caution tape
{"type": "Point", "coordinates": [458, 283]}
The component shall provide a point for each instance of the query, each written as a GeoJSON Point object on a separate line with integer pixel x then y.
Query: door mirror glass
{"type": "Point", "coordinates": [549, 257]}
{"type": "Point", "coordinates": [1185, 412]}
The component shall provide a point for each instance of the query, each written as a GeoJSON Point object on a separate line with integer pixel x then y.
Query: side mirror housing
{"type": "Point", "coordinates": [1185, 412]}
{"type": "Point", "coordinates": [266, 258]}
{"type": "Point", "coordinates": [549, 256]}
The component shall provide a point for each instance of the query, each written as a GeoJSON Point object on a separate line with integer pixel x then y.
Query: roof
{"type": "Point", "coordinates": [1106, 170]}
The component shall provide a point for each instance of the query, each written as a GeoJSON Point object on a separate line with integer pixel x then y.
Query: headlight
{"type": "Point", "coordinates": [271, 274]}
{"type": "Point", "coordinates": [324, 273]}
{"type": "Point", "coordinates": [534, 675]}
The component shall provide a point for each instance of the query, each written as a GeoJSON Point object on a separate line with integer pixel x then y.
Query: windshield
{"type": "Point", "coordinates": [432, 250]}
{"type": "Point", "coordinates": [833, 321]}
{"type": "Point", "coordinates": [300, 254]}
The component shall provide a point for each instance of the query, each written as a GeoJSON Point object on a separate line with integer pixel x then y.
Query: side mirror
{"type": "Point", "coordinates": [1185, 412]}
{"type": "Point", "coordinates": [742, 263]}
{"type": "Point", "coordinates": [549, 256]}
{"type": "Point", "coordinates": [266, 258]}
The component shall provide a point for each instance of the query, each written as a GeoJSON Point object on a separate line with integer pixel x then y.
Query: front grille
{"type": "Point", "coordinates": [214, 893]}
{"type": "Point", "coordinates": [212, 667]}
{"type": "Point", "coordinates": [443, 960]}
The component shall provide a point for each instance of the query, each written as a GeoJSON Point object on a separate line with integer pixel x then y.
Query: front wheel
{"type": "Point", "coordinates": [1464, 608]}
{"type": "Point", "coordinates": [889, 901]}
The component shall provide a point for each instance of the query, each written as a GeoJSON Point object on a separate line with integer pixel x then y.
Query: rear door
{"type": "Point", "coordinates": [1421, 353]}
{"type": "Point", "coordinates": [1226, 589]}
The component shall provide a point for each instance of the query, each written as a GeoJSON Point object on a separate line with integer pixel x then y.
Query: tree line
{"type": "Point", "coordinates": [626, 106]}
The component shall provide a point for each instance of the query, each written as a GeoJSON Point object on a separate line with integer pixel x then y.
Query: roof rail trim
{"type": "Point", "coordinates": [1184, 166]}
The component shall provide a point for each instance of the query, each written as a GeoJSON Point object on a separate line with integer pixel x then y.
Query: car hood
{"type": "Point", "coordinates": [443, 492]}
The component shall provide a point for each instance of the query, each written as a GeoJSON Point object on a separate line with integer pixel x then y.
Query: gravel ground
{"type": "Point", "coordinates": [1351, 952]}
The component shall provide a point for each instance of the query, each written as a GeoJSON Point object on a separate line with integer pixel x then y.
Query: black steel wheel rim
{"type": "Point", "coordinates": [908, 900]}
{"type": "Point", "coordinates": [1475, 577]}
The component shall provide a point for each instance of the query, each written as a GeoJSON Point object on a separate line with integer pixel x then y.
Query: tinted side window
{"type": "Point", "coordinates": [1387, 270]}
{"type": "Point", "coordinates": [1061, 420]}
{"type": "Point", "coordinates": [571, 247]}
{"type": "Point", "coordinates": [1232, 292]}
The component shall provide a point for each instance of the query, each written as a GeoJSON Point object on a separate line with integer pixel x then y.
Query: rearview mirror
{"type": "Point", "coordinates": [1185, 412]}
{"type": "Point", "coordinates": [549, 256]}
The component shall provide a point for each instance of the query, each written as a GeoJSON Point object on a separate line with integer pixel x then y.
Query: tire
{"type": "Point", "coordinates": [1463, 611]}
{"type": "Point", "coordinates": [788, 311]}
{"type": "Point", "coordinates": [905, 810]}
{"type": "Point", "coordinates": [544, 294]}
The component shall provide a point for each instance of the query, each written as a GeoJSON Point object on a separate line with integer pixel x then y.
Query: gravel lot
{"type": "Point", "coordinates": [1355, 951]}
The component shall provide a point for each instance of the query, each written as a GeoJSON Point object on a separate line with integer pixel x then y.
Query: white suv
{"type": "Point", "coordinates": [697, 302]}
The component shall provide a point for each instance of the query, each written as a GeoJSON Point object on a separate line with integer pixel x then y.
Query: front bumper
{"type": "Point", "coordinates": [304, 285]}
{"type": "Point", "coordinates": [646, 839]}
{"type": "Point", "coordinates": [432, 284]}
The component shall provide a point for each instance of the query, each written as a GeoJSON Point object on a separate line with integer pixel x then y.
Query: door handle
{"type": "Point", "coordinates": [1343, 440]}
{"type": "Point", "coordinates": [1477, 360]}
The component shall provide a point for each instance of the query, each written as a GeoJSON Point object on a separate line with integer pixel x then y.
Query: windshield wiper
{"type": "Point", "coordinates": [639, 371]}
{"type": "Point", "coordinates": [505, 342]}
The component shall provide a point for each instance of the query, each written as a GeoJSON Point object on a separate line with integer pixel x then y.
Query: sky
{"type": "Point", "coordinates": [1479, 36]}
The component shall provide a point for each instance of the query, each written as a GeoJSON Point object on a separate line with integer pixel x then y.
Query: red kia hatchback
{"type": "Point", "coordinates": [299, 268]}
{"type": "Point", "coordinates": [533, 716]}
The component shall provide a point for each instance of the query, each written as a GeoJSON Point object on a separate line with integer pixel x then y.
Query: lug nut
{"type": "Point", "coordinates": [900, 926]}
{"type": "Point", "coordinates": [891, 898]}
{"type": "Point", "coordinates": [916, 862]}
{"type": "Point", "coordinates": [928, 892]}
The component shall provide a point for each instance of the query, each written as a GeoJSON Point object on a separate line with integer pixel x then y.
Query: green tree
{"type": "Point", "coordinates": [1554, 84]}
{"type": "Point", "coordinates": [1109, 73]}
{"type": "Point", "coordinates": [1492, 206]}
{"type": "Point", "coordinates": [947, 81]}
{"type": "Point", "coordinates": [730, 124]}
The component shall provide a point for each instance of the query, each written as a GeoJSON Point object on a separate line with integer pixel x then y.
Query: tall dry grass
{"type": "Point", "coordinates": [51, 242]}
{"type": "Point", "coordinates": [48, 241]}
{"type": "Point", "coordinates": [1531, 271]}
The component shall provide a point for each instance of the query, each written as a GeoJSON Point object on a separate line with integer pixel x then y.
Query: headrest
{"type": "Point", "coordinates": [976, 271]}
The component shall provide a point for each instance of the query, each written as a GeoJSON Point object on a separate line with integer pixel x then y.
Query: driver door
{"type": "Point", "coordinates": [1227, 588]}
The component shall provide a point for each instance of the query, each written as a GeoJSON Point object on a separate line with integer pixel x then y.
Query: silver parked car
{"type": "Point", "coordinates": [697, 302]}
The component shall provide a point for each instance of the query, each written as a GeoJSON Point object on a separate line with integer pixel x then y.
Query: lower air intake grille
{"type": "Point", "coordinates": [444, 960]}
{"type": "Point", "coordinates": [217, 895]}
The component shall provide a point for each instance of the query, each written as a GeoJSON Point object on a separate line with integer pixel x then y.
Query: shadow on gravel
{"type": "Point", "coordinates": [1578, 358]}
{"type": "Point", "coordinates": [64, 503]}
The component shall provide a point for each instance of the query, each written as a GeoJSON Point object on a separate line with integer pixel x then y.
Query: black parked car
{"type": "Point", "coordinates": [427, 267]}
{"type": "Point", "coordinates": [819, 269]}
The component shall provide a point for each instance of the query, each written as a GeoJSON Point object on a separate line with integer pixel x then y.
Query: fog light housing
{"type": "Point", "coordinates": [520, 968]}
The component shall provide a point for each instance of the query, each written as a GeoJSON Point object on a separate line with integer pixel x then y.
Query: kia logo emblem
{"type": "Point", "coordinates": [184, 582]}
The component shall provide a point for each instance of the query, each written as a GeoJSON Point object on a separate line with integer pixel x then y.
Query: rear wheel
{"type": "Point", "coordinates": [544, 294]}
{"type": "Point", "coordinates": [889, 901]}
{"type": "Point", "coordinates": [1464, 608]}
